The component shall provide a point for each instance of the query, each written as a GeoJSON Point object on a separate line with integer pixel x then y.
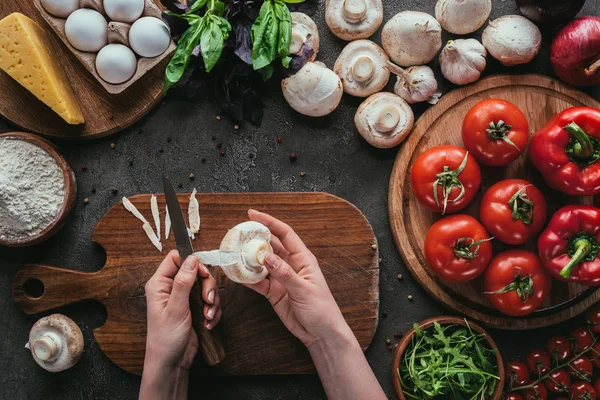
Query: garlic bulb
{"type": "Point", "coordinates": [463, 60]}
{"type": "Point", "coordinates": [415, 84]}
{"type": "Point", "coordinates": [512, 40]}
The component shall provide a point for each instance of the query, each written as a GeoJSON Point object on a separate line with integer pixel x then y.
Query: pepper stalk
{"type": "Point", "coordinates": [582, 247]}
{"type": "Point", "coordinates": [582, 149]}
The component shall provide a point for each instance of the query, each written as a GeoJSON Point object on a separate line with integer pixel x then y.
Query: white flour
{"type": "Point", "coordinates": [32, 189]}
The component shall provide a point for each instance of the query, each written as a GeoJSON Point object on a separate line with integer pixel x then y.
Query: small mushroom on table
{"type": "Point", "coordinates": [353, 19]}
{"type": "Point", "coordinates": [315, 90]}
{"type": "Point", "coordinates": [384, 120]}
{"type": "Point", "coordinates": [363, 68]}
{"type": "Point", "coordinates": [305, 34]}
{"type": "Point", "coordinates": [242, 253]}
{"type": "Point", "coordinates": [56, 342]}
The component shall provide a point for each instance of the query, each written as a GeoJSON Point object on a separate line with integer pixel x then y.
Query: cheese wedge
{"type": "Point", "coordinates": [26, 55]}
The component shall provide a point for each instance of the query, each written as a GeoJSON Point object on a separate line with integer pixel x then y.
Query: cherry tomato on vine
{"type": "Point", "coordinates": [516, 283]}
{"type": "Point", "coordinates": [513, 211]}
{"type": "Point", "coordinates": [581, 368]}
{"type": "Point", "coordinates": [560, 348]}
{"type": "Point", "coordinates": [594, 355]}
{"type": "Point", "coordinates": [582, 339]}
{"type": "Point", "coordinates": [538, 361]}
{"type": "Point", "coordinates": [558, 381]}
{"type": "Point", "coordinates": [496, 132]}
{"type": "Point", "coordinates": [445, 178]}
{"type": "Point", "coordinates": [458, 248]}
{"type": "Point", "coordinates": [539, 392]}
{"type": "Point", "coordinates": [582, 391]}
{"type": "Point", "coordinates": [512, 396]}
{"type": "Point", "coordinates": [593, 319]}
{"type": "Point", "coordinates": [517, 374]}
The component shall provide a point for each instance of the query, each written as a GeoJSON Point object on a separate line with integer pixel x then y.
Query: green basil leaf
{"type": "Point", "coordinates": [285, 32]}
{"type": "Point", "coordinates": [197, 6]}
{"type": "Point", "coordinates": [264, 35]}
{"type": "Point", "coordinates": [181, 59]}
{"type": "Point", "coordinates": [218, 8]}
{"type": "Point", "coordinates": [267, 72]}
{"type": "Point", "coordinates": [214, 34]}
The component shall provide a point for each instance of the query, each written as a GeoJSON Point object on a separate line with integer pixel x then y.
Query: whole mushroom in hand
{"type": "Point", "coordinates": [305, 34]}
{"type": "Point", "coordinates": [363, 68]}
{"type": "Point", "coordinates": [353, 19]}
{"type": "Point", "coordinates": [384, 120]}
{"type": "Point", "coordinates": [315, 90]}
{"type": "Point", "coordinates": [56, 342]}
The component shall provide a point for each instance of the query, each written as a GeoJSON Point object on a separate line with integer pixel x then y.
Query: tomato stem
{"type": "Point", "coordinates": [582, 149]}
{"type": "Point", "coordinates": [499, 130]}
{"type": "Point", "coordinates": [522, 206]}
{"type": "Point", "coordinates": [448, 179]}
{"type": "Point", "coordinates": [468, 248]}
{"type": "Point", "coordinates": [523, 285]}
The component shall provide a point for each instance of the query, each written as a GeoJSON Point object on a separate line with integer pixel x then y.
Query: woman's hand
{"type": "Point", "coordinates": [171, 343]}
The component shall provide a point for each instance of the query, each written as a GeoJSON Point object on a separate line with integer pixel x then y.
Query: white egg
{"type": "Point", "coordinates": [60, 8]}
{"type": "Point", "coordinates": [124, 10]}
{"type": "Point", "coordinates": [149, 37]}
{"type": "Point", "coordinates": [86, 30]}
{"type": "Point", "coordinates": [116, 63]}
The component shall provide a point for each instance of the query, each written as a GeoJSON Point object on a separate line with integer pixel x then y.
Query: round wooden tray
{"type": "Point", "coordinates": [539, 98]}
{"type": "Point", "coordinates": [444, 320]}
{"type": "Point", "coordinates": [104, 113]}
{"type": "Point", "coordinates": [70, 191]}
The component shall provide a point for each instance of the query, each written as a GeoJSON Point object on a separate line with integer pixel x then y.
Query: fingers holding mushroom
{"type": "Point", "coordinates": [353, 19]}
{"type": "Point", "coordinates": [363, 68]}
{"type": "Point", "coordinates": [56, 342]}
{"type": "Point", "coordinates": [384, 120]}
{"type": "Point", "coordinates": [305, 33]}
{"type": "Point", "coordinates": [315, 90]}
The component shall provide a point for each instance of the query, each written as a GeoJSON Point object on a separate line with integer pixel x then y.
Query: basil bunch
{"type": "Point", "coordinates": [206, 35]}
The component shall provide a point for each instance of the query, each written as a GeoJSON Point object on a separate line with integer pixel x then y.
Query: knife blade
{"type": "Point", "coordinates": [210, 345]}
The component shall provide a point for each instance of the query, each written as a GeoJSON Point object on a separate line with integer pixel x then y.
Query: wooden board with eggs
{"type": "Point", "coordinates": [117, 41]}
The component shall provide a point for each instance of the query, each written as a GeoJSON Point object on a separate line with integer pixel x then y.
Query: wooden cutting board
{"type": "Point", "coordinates": [255, 341]}
{"type": "Point", "coordinates": [539, 98]}
{"type": "Point", "coordinates": [104, 113]}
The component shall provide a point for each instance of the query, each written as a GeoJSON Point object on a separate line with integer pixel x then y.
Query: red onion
{"type": "Point", "coordinates": [550, 11]}
{"type": "Point", "coordinates": [575, 52]}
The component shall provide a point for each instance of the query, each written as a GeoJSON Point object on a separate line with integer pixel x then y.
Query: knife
{"type": "Point", "coordinates": [210, 345]}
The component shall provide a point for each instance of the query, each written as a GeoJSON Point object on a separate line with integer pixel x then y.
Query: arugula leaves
{"type": "Point", "coordinates": [271, 34]}
{"type": "Point", "coordinates": [449, 362]}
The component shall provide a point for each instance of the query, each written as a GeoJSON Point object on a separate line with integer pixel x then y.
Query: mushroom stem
{"type": "Point", "coordinates": [397, 70]}
{"type": "Point", "coordinates": [255, 252]}
{"type": "Point", "coordinates": [354, 10]}
{"type": "Point", "coordinates": [388, 118]}
{"type": "Point", "coordinates": [46, 348]}
{"type": "Point", "coordinates": [363, 69]}
{"type": "Point", "coordinates": [296, 43]}
{"type": "Point", "coordinates": [209, 257]}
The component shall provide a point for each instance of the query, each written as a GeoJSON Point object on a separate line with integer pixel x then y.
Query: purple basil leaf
{"type": "Point", "coordinates": [243, 44]}
{"type": "Point", "coordinates": [176, 25]}
{"type": "Point", "coordinates": [298, 61]}
{"type": "Point", "coordinates": [197, 50]}
{"type": "Point", "coordinates": [176, 6]}
{"type": "Point", "coordinates": [308, 7]}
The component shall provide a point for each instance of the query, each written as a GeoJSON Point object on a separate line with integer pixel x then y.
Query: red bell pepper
{"type": "Point", "coordinates": [569, 246]}
{"type": "Point", "coordinates": [567, 151]}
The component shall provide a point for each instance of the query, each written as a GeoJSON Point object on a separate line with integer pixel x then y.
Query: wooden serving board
{"type": "Point", "coordinates": [255, 341]}
{"type": "Point", "coordinates": [539, 98]}
{"type": "Point", "coordinates": [104, 113]}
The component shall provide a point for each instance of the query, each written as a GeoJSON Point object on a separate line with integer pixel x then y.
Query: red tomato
{"type": "Point", "coordinates": [513, 211]}
{"type": "Point", "coordinates": [597, 385]}
{"type": "Point", "coordinates": [559, 348]}
{"type": "Point", "coordinates": [517, 374]}
{"type": "Point", "coordinates": [582, 391]}
{"type": "Point", "coordinates": [593, 319]}
{"type": "Point", "coordinates": [538, 361]}
{"type": "Point", "coordinates": [496, 132]}
{"type": "Point", "coordinates": [457, 248]}
{"type": "Point", "coordinates": [594, 355]}
{"type": "Point", "coordinates": [445, 178]}
{"type": "Point", "coordinates": [516, 282]}
{"type": "Point", "coordinates": [558, 381]}
{"type": "Point", "coordinates": [512, 396]}
{"type": "Point", "coordinates": [582, 339]}
{"type": "Point", "coordinates": [581, 368]}
{"type": "Point", "coordinates": [539, 392]}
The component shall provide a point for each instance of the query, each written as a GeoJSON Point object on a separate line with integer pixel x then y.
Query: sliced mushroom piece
{"type": "Point", "coordinates": [315, 90]}
{"type": "Point", "coordinates": [56, 342]}
{"type": "Point", "coordinates": [384, 120]}
{"type": "Point", "coordinates": [304, 32]}
{"type": "Point", "coordinates": [353, 19]}
{"type": "Point", "coordinates": [363, 67]}
{"type": "Point", "coordinates": [242, 253]}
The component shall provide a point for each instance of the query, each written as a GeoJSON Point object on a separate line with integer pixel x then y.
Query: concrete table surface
{"type": "Point", "coordinates": [334, 158]}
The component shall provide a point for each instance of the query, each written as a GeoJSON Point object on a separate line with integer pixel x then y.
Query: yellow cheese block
{"type": "Point", "coordinates": [26, 55]}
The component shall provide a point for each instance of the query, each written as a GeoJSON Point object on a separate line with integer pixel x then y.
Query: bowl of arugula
{"type": "Point", "coordinates": [447, 358]}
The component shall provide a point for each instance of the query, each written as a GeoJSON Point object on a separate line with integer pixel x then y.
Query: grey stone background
{"type": "Point", "coordinates": [331, 153]}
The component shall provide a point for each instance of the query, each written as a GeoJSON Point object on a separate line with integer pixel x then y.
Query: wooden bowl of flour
{"type": "Point", "coordinates": [47, 229]}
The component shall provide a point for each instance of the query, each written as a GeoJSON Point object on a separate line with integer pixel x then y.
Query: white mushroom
{"type": "Point", "coordinates": [415, 84]}
{"type": "Point", "coordinates": [353, 19]}
{"type": "Point", "coordinates": [512, 40]}
{"type": "Point", "coordinates": [242, 253]}
{"type": "Point", "coordinates": [463, 60]}
{"type": "Point", "coordinates": [462, 16]}
{"type": "Point", "coordinates": [304, 32]}
{"type": "Point", "coordinates": [363, 68]}
{"type": "Point", "coordinates": [412, 38]}
{"type": "Point", "coordinates": [384, 120]}
{"type": "Point", "coordinates": [315, 90]}
{"type": "Point", "coordinates": [56, 343]}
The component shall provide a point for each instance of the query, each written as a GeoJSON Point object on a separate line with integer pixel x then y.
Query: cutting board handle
{"type": "Point", "coordinates": [39, 288]}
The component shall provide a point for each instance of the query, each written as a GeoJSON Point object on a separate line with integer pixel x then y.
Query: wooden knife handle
{"type": "Point", "coordinates": [210, 344]}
